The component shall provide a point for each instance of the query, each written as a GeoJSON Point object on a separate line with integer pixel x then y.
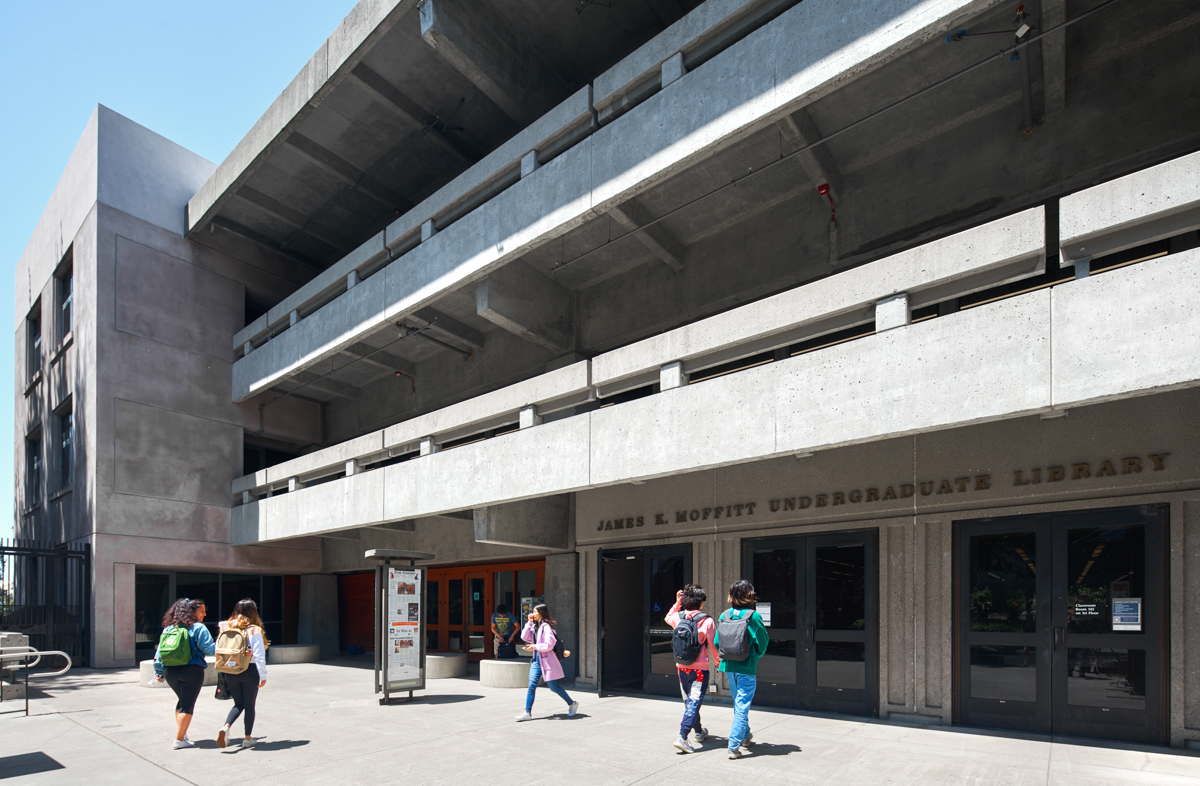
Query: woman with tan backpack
{"type": "Point", "coordinates": [242, 658]}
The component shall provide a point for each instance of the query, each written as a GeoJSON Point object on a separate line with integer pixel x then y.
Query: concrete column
{"type": "Point", "coordinates": [247, 348]}
{"type": "Point", "coordinates": [295, 484]}
{"type": "Point", "coordinates": [673, 68]}
{"type": "Point", "coordinates": [293, 318]}
{"type": "Point", "coordinates": [429, 446]}
{"type": "Point", "coordinates": [892, 312]}
{"type": "Point", "coordinates": [352, 279]}
{"type": "Point", "coordinates": [428, 230]}
{"type": "Point", "coordinates": [671, 376]}
{"type": "Point", "coordinates": [247, 497]}
{"type": "Point", "coordinates": [352, 467]}
{"type": "Point", "coordinates": [319, 612]}
{"type": "Point", "coordinates": [530, 416]}
{"type": "Point", "coordinates": [529, 163]}
{"type": "Point", "coordinates": [1083, 267]}
{"type": "Point", "coordinates": [543, 523]}
{"type": "Point", "coordinates": [561, 591]}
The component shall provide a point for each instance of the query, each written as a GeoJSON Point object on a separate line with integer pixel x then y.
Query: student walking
{"type": "Point", "coordinates": [179, 659]}
{"type": "Point", "coordinates": [539, 633]}
{"type": "Point", "coordinates": [692, 644]}
{"type": "Point", "coordinates": [741, 640]}
{"type": "Point", "coordinates": [246, 629]}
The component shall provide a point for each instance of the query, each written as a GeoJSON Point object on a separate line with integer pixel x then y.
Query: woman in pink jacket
{"type": "Point", "coordinates": [539, 633]}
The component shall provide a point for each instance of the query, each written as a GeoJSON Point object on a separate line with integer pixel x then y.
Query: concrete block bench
{"type": "Point", "coordinates": [293, 653]}
{"type": "Point", "coordinates": [444, 667]}
{"type": "Point", "coordinates": [146, 674]}
{"type": "Point", "coordinates": [505, 673]}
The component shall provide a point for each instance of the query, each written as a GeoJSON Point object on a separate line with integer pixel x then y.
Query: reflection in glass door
{"type": "Point", "coordinates": [668, 569]}
{"type": "Point", "coordinates": [1060, 623]}
{"type": "Point", "coordinates": [820, 593]}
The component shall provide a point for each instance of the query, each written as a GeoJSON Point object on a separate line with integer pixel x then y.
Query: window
{"type": "Point", "coordinates": [33, 471]}
{"type": "Point", "coordinates": [33, 330]}
{"type": "Point", "coordinates": [65, 283]}
{"type": "Point", "coordinates": [66, 435]}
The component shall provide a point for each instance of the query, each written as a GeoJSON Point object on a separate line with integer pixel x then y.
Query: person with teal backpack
{"type": "Point", "coordinates": [179, 660]}
{"type": "Point", "coordinates": [741, 640]}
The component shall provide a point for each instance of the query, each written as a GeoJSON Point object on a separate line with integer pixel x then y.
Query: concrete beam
{"type": "Point", "coordinates": [478, 41]}
{"type": "Point", "coordinates": [301, 221]}
{"type": "Point", "coordinates": [799, 129]}
{"type": "Point", "coordinates": [326, 385]}
{"type": "Point", "coordinates": [395, 526]}
{"type": "Point", "coordinates": [348, 173]}
{"type": "Point", "coordinates": [448, 327]}
{"type": "Point", "coordinates": [526, 303]}
{"type": "Point", "coordinates": [655, 238]}
{"type": "Point", "coordinates": [380, 359]}
{"type": "Point", "coordinates": [1054, 56]}
{"type": "Point", "coordinates": [543, 523]}
{"type": "Point", "coordinates": [409, 110]}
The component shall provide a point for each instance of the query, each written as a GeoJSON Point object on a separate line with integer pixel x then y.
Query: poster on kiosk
{"type": "Point", "coordinates": [400, 624]}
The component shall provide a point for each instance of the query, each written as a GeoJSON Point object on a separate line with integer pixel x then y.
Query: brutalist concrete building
{"type": "Point", "coordinates": [889, 307]}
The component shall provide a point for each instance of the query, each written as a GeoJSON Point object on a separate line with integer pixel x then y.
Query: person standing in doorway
{"type": "Point", "coordinates": [243, 687]}
{"type": "Point", "coordinates": [542, 641]}
{"type": "Point", "coordinates": [179, 659]}
{"type": "Point", "coordinates": [741, 639]}
{"type": "Point", "coordinates": [504, 629]}
{"type": "Point", "coordinates": [695, 651]}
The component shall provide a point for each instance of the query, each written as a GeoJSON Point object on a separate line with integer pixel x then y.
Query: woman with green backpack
{"type": "Point", "coordinates": [741, 640]}
{"type": "Point", "coordinates": [179, 660]}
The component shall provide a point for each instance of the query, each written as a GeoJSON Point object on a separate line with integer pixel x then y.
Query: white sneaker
{"type": "Point", "coordinates": [749, 738]}
{"type": "Point", "coordinates": [222, 736]}
{"type": "Point", "coordinates": [701, 735]}
{"type": "Point", "coordinates": [574, 708]}
{"type": "Point", "coordinates": [248, 742]}
{"type": "Point", "coordinates": [682, 744]}
{"type": "Point", "coordinates": [181, 744]}
{"type": "Point", "coordinates": [524, 716]}
{"type": "Point", "coordinates": [736, 753]}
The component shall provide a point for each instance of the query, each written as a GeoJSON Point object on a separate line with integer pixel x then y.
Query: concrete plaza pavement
{"type": "Point", "coordinates": [321, 723]}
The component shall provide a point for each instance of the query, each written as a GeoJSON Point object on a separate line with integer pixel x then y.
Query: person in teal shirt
{"type": "Point", "coordinates": [742, 674]}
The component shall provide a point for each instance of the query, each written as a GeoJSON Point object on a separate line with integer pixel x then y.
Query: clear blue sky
{"type": "Point", "coordinates": [197, 73]}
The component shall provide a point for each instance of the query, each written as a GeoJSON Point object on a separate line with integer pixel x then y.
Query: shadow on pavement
{"type": "Point", "coordinates": [451, 698]}
{"type": "Point", "coordinates": [278, 745]}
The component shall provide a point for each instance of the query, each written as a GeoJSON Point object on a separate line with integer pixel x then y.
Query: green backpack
{"type": "Point", "coordinates": [175, 646]}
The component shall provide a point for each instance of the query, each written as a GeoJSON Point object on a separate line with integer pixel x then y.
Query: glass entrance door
{"type": "Point", "coordinates": [819, 594]}
{"type": "Point", "coordinates": [1061, 623]}
{"type": "Point", "coordinates": [637, 590]}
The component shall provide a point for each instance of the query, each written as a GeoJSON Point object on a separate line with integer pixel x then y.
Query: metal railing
{"type": "Point", "coordinates": [24, 653]}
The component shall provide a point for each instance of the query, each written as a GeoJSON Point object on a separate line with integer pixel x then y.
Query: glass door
{"type": "Point", "coordinates": [1061, 623]}
{"type": "Point", "coordinates": [820, 596]}
{"type": "Point", "coordinates": [477, 632]}
{"type": "Point", "coordinates": [666, 570]}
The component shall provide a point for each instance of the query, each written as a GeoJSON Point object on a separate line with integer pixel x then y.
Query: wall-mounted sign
{"type": "Point", "coordinates": [764, 611]}
{"type": "Point", "coordinates": [1127, 614]}
{"type": "Point", "coordinates": [1087, 610]}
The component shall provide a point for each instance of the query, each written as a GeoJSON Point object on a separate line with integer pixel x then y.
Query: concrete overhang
{"type": "Point", "coordinates": [396, 103]}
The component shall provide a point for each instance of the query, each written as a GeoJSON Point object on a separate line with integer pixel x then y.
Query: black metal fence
{"type": "Point", "coordinates": [45, 594]}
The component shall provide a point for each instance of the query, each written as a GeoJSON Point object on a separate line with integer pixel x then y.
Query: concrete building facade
{"type": "Point", "coordinates": [592, 302]}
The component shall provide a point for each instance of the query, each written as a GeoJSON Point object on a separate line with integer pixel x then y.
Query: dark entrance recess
{"type": "Point", "coordinates": [637, 589]}
{"type": "Point", "coordinates": [822, 596]}
{"type": "Point", "coordinates": [1045, 638]}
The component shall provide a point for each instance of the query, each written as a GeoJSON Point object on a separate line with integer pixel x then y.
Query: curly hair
{"type": "Point", "coordinates": [182, 613]}
{"type": "Point", "coordinates": [693, 597]}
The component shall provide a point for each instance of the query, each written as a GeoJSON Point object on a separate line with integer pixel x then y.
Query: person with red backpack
{"type": "Point", "coordinates": [692, 642]}
{"type": "Point", "coordinates": [742, 640]}
{"type": "Point", "coordinates": [179, 659]}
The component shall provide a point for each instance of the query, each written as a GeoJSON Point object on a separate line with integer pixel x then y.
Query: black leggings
{"type": "Point", "coordinates": [186, 681]}
{"type": "Point", "coordinates": [244, 690]}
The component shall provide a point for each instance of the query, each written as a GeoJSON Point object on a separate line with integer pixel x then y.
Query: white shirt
{"type": "Point", "coordinates": [258, 649]}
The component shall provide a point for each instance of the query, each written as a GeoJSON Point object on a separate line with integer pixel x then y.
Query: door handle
{"type": "Point", "coordinates": [1060, 637]}
{"type": "Point", "coordinates": [808, 634]}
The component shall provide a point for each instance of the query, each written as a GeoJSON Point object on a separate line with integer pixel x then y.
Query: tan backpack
{"type": "Point", "coordinates": [232, 646]}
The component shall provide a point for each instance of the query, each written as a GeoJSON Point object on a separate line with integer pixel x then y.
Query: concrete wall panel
{"type": "Point", "coordinates": [1132, 329]}
{"type": "Point", "coordinates": [149, 465]}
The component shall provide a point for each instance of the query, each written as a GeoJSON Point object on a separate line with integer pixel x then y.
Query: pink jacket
{"type": "Point", "coordinates": [551, 668]}
{"type": "Point", "coordinates": [708, 632]}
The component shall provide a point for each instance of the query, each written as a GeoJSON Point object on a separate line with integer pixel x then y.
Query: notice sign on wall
{"type": "Point", "coordinates": [764, 611]}
{"type": "Point", "coordinates": [1127, 614]}
{"type": "Point", "coordinates": [402, 643]}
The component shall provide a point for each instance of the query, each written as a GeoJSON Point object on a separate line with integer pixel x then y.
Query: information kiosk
{"type": "Point", "coordinates": [399, 621]}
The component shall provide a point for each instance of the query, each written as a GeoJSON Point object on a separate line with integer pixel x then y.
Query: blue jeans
{"type": "Point", "coordinates": [535, 674]}
{"type": "Point", "coordinates": [693, 685]}
{"type": "Point", "coordinates": [742, 686]}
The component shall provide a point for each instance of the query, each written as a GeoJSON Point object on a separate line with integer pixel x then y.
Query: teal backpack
{"type": "Point", "coordinates": [175, 646]}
